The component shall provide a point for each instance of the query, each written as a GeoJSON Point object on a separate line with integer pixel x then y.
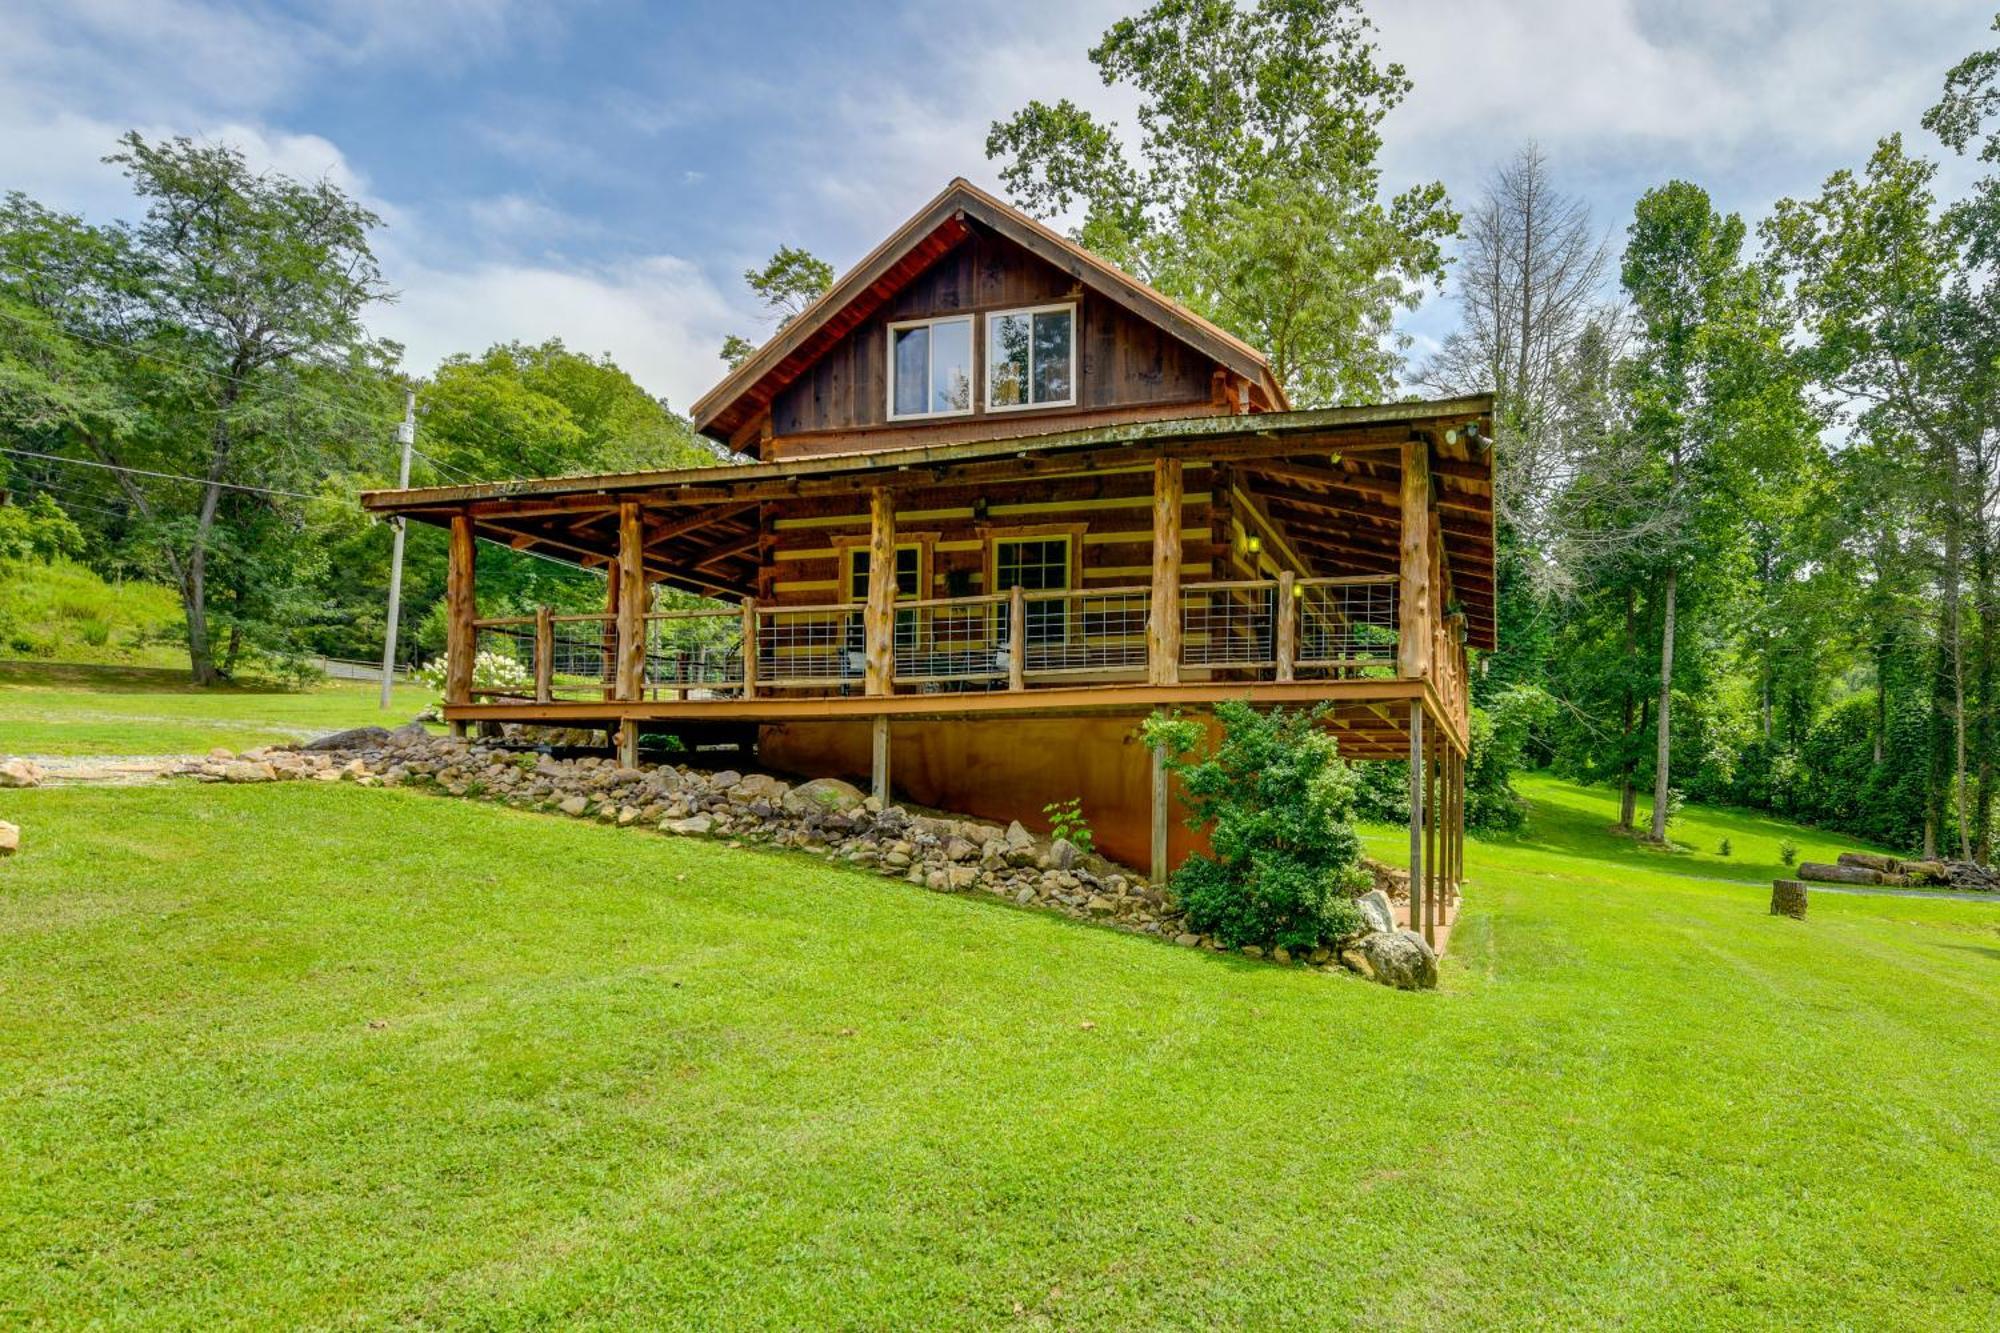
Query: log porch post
{"type": "Point", "coordinates": [1287, 613]}
{"type": "Point", "coordinates": [1017, 638]}
{"type": "Point", "coordinates": [545, 655]}
{"type": "Point", "coordinates": [878, 617]}
{"type": "Point", "coordinates": [1417, 868]}
{"type": "Point", "coordinates": [461, 603]}
{"type": "Point", "coordinates": [749, 650]}
{"type": "Point", "coordinates": [1157, 871]}
{"type": "Point", "coordinates": [631, 602]}
{"type": "Point", "coordinates": [1163, 625]}
{"type": "Point", "coordinates": [1413, 639]}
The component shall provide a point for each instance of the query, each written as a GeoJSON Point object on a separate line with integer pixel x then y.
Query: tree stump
{"type": "Point", "coordinates": [1788, 898]}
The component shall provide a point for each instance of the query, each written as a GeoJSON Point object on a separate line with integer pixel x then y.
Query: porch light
{"type": "Point", "coordinates": [1253, 544]}
{"type": "Point", "coordinates": [1298, 592]}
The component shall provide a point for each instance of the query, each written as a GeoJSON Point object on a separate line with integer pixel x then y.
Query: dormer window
{"type": "Point", "coordinates": [1031, 358]}
{"type": "Point", "coordinates": [930, 368]}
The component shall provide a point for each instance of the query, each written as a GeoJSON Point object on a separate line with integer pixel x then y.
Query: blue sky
{"type": "Point", "coordinates": [604, 172]}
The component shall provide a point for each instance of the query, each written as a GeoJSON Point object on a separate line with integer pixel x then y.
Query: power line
{"type": "Point", "coordinates": [163, 476]}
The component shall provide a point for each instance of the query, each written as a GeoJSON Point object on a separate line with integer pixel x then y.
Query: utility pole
{"type": "Point", "coordinates": [406, 435]}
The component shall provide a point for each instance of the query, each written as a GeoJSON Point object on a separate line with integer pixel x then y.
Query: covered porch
{"type": "Point", "coordinates": [875, 609]}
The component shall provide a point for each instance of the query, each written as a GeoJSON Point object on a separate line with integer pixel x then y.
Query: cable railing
{"type": "Point", "coordinates": [1231, 625]}
{"type": "Point", "coordinates": [693, 653]}
{"type": "Point", "coordinates": [1094, 632]}
{"type": "Point", "coordinates": [824, 647]}
{"type": "Point", "coordinates": [1346, 623]}
{"type": "Point", "coordinates": [950, 643]}
{"type": "Point", "coordinates": [1281, 629]}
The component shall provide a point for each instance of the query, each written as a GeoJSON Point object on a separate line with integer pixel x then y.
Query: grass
{"type": "Point", "coordinates": [311, 1054]}
{"type": "Point", "coordinates": [62, 611]}
{"type": "Point", "coordinates": [99, 710]}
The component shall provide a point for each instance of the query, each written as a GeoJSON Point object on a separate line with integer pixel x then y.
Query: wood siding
{"type": "Point", "coordinates": [1126, 367]}
{"type": "Point", "coordinates": [1108, 514]}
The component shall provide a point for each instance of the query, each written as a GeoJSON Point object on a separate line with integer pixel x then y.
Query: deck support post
{"type": "Point", "coordinates": [631, 604]}
{"type": "Point", "coordinates": [1417, 868]}
{"type": "Point", "coordinates": [1413, 610]}
{"type": "Point", "coordinates": [880, 759]}
{"type": "Point", "coordinates": [1163, 625]}
{"type": "Point", "coordinates": [461, 603]}
{"type": "Point", "coordinates": [1286, 612]}
{"type": "Point", "coordinates": [1433, 839]}
{"type": "Point", "coordinates": [878, 617]}
{"type": "Point", "coordinates": [1157, 869]}
{"type": "Point", "coordinates": [545, 655]}
{"type": "Point", "coordinates": [628, 743]}
{"type": "Point", "coordinates": [749, 650]}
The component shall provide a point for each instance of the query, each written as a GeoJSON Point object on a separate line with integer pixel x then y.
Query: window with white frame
{"type": "Point", "coordinates": [930, 368]}
{"type": "Point", "coordinates": [1031, 357]}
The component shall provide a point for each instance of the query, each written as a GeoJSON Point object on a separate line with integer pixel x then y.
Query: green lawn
{"type": "Point", "coordinates": [312, 1054]}
{"type": "Point", "coordinates": [92, 710]}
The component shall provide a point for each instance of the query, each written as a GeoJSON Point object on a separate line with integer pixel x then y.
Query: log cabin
{"type": "Point", "coordinates": [991, 502]}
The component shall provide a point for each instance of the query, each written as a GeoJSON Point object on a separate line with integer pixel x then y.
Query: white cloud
{"type": "Point", "coordinates": [659, 317]}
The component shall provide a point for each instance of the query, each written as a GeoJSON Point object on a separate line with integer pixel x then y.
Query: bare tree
{"type": "Point", "coordinates": [1531, 288]}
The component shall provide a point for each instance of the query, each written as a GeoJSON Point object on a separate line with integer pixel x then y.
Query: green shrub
{"type": "Point", "coordinates": [1723, 849]}
{"type": "Point", "coordinates": [1788, 852]}
{"type": "Point", "coordinates": [1066, 821]}
{"type": "Point", "coordinates": [1277, 800]}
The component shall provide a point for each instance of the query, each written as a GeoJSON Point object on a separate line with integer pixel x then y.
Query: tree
{"type": "Point", "coordinates": [1714, 400]}
{"type": "Point", "coordinates": [1256, 200]}
{"type": "Point", "coordinates": [1530, 278]}
{"type": "Point", "coordinates": [790, 280]}
{"type": "Point", "coordinates": [1971, 98]}
{"type": "Point", "coordinates": [1901, 329]}
{"type": "Point", "coordinates": [226, 346]}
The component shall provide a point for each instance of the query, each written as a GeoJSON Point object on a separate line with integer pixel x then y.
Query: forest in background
{"type": "Point", "coordinates": [1748, 469]}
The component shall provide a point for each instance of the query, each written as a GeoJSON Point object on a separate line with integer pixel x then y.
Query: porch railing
{"type": "Point", "coordinates": [1247, 629]}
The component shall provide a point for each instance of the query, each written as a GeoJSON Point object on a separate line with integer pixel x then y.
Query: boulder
{"type": "Point", "coordinates": [694, 826]}
{"type": "Point", "coordinates": [1018, 838]}
{"type": "Point", "coordinates": [20, 773]}
{"type": "Point", "coordinates": [1400, 958]}
{"type": "Point", "coordinates": [829, 795]}
{"type": "Point", "coordinates": [1376, 911]}
{"type": "Point", "coordinates": [354, 738]}
{"type": "Point", "coordinates": [10, 838]}
{"type": "Point", "coordinates": [247, 770]}
{"type": "Point", "coordinates": [757, 787]}
{"type": "Point", "coordinates": [1063, 854]}
{"type": "Point", "coordinates": [1788, 898]}
{"type": "Point", "coordinates": [574, 805]}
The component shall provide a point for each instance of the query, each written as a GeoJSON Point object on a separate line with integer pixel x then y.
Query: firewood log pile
{"type": "Point", "coordinates": [1868, 868]}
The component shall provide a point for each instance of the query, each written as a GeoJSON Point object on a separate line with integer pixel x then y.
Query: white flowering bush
{"type": "Point", "coordinates": [490, 671]}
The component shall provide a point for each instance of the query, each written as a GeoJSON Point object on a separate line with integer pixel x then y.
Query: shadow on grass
{"type": "Point", "coordinates": [1566, 820]}
{"type": "Point", "coordinates": [125, 679]}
